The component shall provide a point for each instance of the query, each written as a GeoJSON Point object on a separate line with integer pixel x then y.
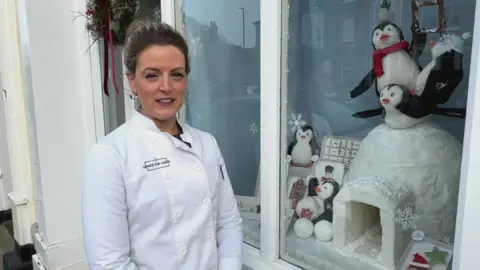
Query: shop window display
{"type": "Point", "coordinates": [374, 118]}
{"type": "Point", "coordinates": [224, 92]}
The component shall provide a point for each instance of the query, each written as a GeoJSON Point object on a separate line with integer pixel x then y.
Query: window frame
{"type": "Point", "coordinates": [171, 11]}
{"type": "Point", "coordinates": [273, 82]}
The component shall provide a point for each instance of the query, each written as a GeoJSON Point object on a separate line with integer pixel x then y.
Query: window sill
{"type": "Point", "coordinates": [251, 258]}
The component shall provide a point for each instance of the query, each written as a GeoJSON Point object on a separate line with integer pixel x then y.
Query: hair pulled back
{"type": "Point", "coordinates": [142, 34]}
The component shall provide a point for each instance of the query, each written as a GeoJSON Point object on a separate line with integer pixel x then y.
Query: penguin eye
{"type": "Point", "coordinates": [392, 94]}
{"type": "Point", "coordinates": [389, 28]}
{"type": "Point", "coordinates": [382, 94]}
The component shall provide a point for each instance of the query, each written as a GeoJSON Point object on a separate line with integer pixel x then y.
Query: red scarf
{"type": "Point", "coordinates": [379, 54]}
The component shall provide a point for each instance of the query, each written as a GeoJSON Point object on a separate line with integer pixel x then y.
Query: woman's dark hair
{"type": "Point", "coordinates": [142, 34]}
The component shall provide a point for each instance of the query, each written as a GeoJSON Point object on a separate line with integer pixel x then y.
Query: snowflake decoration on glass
{"type": "Point", "coordinates": [157, 14]}
{"type": "Point", "coordinates": [406, 218]}
{"type": "Point", "coordinates": [254, 128]}
{"type": "Point", "coordinates": [195, 45]}
{"type": "Point", "coordinates": [296, 121]}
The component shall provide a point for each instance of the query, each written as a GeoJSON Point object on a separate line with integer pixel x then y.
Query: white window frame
{"type": "Point", "coordinates": [273, 84]}
{"type": "Point", "coordinates": [172, 15]}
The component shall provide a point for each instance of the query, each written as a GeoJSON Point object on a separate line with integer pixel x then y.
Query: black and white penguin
{"type": "Point", "coordinates": [319, 200]}
{"type": "Point", "coordinates": [393, 61]}
{"type": "Point", "coordinates": [327, 189]}
{"type": "Point", "coordinates": [402, 108]}
{"type": "Point", "coordinates": [301, 150]}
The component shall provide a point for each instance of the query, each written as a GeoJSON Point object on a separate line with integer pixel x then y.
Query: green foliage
{"type": "Point", "coordinates": [122, 13]}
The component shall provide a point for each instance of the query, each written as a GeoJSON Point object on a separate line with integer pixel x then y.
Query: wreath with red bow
{"type": "Point", "coordinates": [108, 20]}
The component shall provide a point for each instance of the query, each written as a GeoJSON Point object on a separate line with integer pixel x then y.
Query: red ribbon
{"type": "Point", "coordinates": [108, 41]}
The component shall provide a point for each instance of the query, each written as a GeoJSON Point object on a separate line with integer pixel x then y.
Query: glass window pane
{"type": "Point", "coordinates": [224, 93]}
{"type": "Point", "coordinates": [371, 178]}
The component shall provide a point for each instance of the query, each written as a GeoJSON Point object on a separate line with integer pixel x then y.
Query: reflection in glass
{"type": "Point", "coordinates": [224, 93]}
{"type": "Point", "coordinates": [375, 184]}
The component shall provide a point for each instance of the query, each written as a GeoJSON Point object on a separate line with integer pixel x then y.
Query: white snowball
{"type": "Point", "coordinates": [324, 231]}
{"type": "Point", "coordinates": [303, 228]}
{"type": "Point", "coordinates": [466, 35]}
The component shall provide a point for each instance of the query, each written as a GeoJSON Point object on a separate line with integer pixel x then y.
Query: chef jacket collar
{"type": "Point", "coordinates": [185, 136]}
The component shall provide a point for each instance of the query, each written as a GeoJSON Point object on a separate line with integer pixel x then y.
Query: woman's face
{"type": "Point", "coordinates": [160, 81]}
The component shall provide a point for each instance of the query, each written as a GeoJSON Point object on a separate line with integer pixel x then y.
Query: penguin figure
{"type": "Point", "coordinates": [319, 200]}
{"type": "Point", "coordinates": [402, 108]}
{"type": "Point", "coordinates": [327, 190]}
{"type": "Point", "coordinates": [393, 61]}
{"type": "Point", "coordinates": [301, 151]}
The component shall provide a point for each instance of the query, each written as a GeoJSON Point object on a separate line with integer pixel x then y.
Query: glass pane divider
{"type": "Point", "coordinates": [283, 122]}
{"type": "Point", "coordinates": [172, 14]}
{"type": "Point", "coordinates": [468, 216]}
{"type": "Point", "coordinates": [270, 55]}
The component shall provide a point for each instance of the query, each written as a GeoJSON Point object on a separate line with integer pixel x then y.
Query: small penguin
{"type": "Point", "coordinates": [402, 108]}
{"type": "Point", "coordinates": [393, 61]}
{"type": "Point", "coordinates": [319, 199]}
{"type": "Point", "coordinates": [315, 212]}
{"type": "Point", "coordinates": [327, 190]}
{"type": "Point", "coordinates": [301, 151]}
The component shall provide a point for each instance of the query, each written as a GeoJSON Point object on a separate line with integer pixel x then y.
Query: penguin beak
{"type": "Point", "coordinates": [385, 101]}
{"type": "Point", "coordinates": [384, 37]}
{"type": "Point", "coordinates": [303, 137]}
{"type": "Point", "coordinates": [318, 189]}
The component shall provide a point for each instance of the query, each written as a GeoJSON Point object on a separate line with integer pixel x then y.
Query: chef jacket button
{"type": "Point", "coordinates": [183, 251]}
{"type": "Point", "coordinates": [167, 176]}
{"type": "Point", "coordinates": [210, 237]}
{"type": "Point", "coordinates": [205, 201]}
{"type": "Point", "coordinates": [198, 167]}
{"type": "Point", "coordinates": [177, 216]}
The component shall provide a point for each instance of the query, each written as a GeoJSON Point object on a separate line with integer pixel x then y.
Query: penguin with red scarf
{"type": "Point", "coordinates": [435, 85]}
{"type": "Point", "coordinates": [393, 59]}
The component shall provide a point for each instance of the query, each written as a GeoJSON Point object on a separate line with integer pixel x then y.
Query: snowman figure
{"type": "Point", "coordinates": [301, 151]}
{"type": "Point", "coordinates": [315, 212]}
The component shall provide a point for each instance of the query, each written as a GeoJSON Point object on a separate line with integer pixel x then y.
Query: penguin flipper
{"type": "Point", "coordinates": [368, 113]}
{"type": "Point", "coordinates": [290, 148]}
{"type": "Point", "coordinates": [452, 112]}
{"type": "Point", "coordinates": [364, 84]}
{"type": "Point", "coordinates": [444, 78]}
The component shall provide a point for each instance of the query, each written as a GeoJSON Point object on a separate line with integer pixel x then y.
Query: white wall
{"type": "Point", "coordinates": [5, 172]}
{"type": "Point", "coordinates": [62, 91]}
{"type": "Point", "coordinates": [17, 126]}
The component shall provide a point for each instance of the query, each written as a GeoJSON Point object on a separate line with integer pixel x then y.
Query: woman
{"type": "Point", "coordinates": [156, 193]}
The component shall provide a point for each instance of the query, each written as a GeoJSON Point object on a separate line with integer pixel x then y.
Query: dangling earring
{"type": "Point", "coordinates": [136, 103]}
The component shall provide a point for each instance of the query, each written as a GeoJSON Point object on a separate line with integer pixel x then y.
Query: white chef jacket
{"type": "Point", "coordinates": [150, 201]}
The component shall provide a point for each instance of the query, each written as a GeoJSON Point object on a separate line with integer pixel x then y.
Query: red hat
{"type": "Point", "coordinates": [419, 260]}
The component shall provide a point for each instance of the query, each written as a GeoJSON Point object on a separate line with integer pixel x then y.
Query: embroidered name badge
{"type": "Point", "coordinates": [156, 164]}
